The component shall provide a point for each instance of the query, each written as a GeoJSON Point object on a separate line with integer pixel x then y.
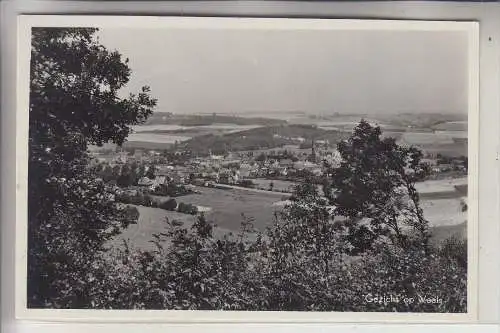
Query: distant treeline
{"type": "Point", "coordinates": [413, 119]}
{"type": "Point", "coordinates": [146, 200]}
{"type": "Point", "coordinates": [203, 120]}
{"type": "Point", "coordinates": [260, 138]}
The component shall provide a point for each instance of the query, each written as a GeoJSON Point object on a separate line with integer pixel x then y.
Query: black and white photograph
{"type": "Point", "coordinates": [251, 165]}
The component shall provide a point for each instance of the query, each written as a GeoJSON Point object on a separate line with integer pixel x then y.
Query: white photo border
{"type": "Point", "coordinates": [26, 22]}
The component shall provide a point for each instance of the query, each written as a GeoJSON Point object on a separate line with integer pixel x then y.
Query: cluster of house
{"type": "Point", "coordinates": [299, 139]}
{"type": "Point", "coordinates": [165, 174]}
{"type": "Point", "coordinates": [231, 169]}
{"type": "Point", "coordinates": [123, 157]}
{"type": "Point", "coordinates": [234, 168]}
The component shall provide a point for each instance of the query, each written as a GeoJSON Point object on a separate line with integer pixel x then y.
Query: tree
{"type": "Point", "coordinates": [261, 157]}
{"type": "Point", "coordinates": [74, 102]}
{"type": "Point", "coordinates": [305, 228]}
{"type": "Point", "coordinates": [187, 208]}
{"type": "Point", "coordinates": [126, 176]}
{"type": "Point", "coordinates": [169, 204]}
{"type": "Point", "coordinates": [132, 212]}
{"type": "Point", "coordinates": [150, 173]}
{"type": "Point", "coordinates": [303, 253]}
{"type": "Point", "coordinates": [374, 187]}
{"type": "Point", "coordinates": [107, 173]}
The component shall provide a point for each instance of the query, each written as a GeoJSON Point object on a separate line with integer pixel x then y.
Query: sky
{"type": "Point", "coordinates": [316, 72]}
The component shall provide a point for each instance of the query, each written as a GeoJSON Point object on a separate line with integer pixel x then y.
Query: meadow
{"type": "Point", "coordinates": [153, 221]}
{"type": "Point", "coordinates": [228, 207]}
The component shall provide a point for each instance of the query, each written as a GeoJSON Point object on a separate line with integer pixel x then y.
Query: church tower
{"type": "Point", "coordinates": [313, 151]}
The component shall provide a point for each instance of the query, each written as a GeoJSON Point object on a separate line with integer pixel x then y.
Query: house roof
{"type": "Point", "coordinates": [145, 181]}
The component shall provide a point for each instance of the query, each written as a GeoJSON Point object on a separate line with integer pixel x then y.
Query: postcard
{"type": "Point", "coordinates": [189, 169]}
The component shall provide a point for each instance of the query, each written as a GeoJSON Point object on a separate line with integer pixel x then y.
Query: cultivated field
{"type": "Point", "coordinates": [440, 202]}
{"type": "Point", "coordinates": [156, 138]}
{"type": "Point", "coordinates": [442, 185]}
{"type": "Point", "coordinates": [160, 136]}
{"type": "Point", "coordinates": [227, 206]}
{"type": "Point", "coordinates": [443, 212]}
{"type": "Point", "coordinates": [152, 221]}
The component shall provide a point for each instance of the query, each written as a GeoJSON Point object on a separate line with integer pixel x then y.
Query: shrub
{"type": "Point", "coordinates": [194, 270]}
{"type": "Point", "coordinates": [455, 249]}
{"type": "Point", "coordinates": [132, 213]}
{"type": "Point", "coordinates": [187, 208]}
{"type": "Point", "coordinates": [169, 204]}
{"type": "Point", "coordinates": [303, 263]}
{"type": "Point", "coordinates": [246, 183]}
{"type": "Point", "coordinates": [172, 190]}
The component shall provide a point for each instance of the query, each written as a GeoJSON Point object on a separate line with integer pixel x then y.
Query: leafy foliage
{"type": "Point", "coordinates": [187, 208]}
{"type": "Point", "coordinates": [73, 102]}
{"type": "Point", "coordinates": [281, 271]}
{"type": "Point", "coordinates": [169, 204]}
{"type": "Point", "coordinates": [456, 249]}
{"type": "Point", "coordinates": [374, 186]}
{"type": "Point", "coordinates": [123, 175]}
{"type": "Point", "coordinates": [171, 189]}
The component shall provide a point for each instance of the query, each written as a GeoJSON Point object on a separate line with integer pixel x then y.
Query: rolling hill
{"type": "Point", "coordinates": [260, 138]}
{"type": "Point", "coordinates": [163, 118]}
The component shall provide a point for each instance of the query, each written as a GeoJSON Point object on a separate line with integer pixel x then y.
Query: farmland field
{"type": "Point", "coordinates": [152, 221]}
{"type": "Point", "coordinates": [442, 185]}
{"type": "Point", "coordinates": [441, 233]}
{"type": "Point", "coordinates": [424, 138]}
{"type": "Point", "coordinates": [159, 138]}
{"type": "Point", "coordinates": [451, 149]}
{"type": "Point", "coordinates": [443, 212]}
{"type": "Point", "coordinates": [166, 133]}
{"type": "Point", "coordinates": [452, 126]}
{"type": "Point", "coordinates": [226, 207]}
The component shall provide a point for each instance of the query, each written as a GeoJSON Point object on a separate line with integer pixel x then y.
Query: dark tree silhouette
{"type": "Point", "coordinates": [73, 102]}
{"type": "Point", "coordinates": [374, 187]}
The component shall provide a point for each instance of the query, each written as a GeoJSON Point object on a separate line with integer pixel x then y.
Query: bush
{"type": "Point", "coordinates": [187, 208]}
{"type": "Point", "coordinates": [196, 271]}
{"type": "Point", "coordinates": [171, 190]}
{"type": "Point", "coordinates": [455, 249]}
{"type": "Point", "coordinates": [304, 262]}
{"type": "Point", "coordinates": [132, 213]}
{"type": "Point", "coordinates": [246, 183]}
{"type": "Point", "coordinates": [419, 282]}
{"type": "Point", "coordinates": [170, 204]}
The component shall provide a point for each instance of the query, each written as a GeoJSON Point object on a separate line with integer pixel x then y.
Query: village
{"type": "Point", "coordinates": [274, 170]}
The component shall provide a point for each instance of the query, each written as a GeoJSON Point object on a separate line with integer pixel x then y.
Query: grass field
{"type": "Point", "coordinates": [441, 233]}
{"type": "Point", "coordinates": [227, 206]}
{"type": "Point", "coordinates": [156, 138]}
{"type": "Point", "coordinates": [152, 221]}
{"type": "Point", "coordinates": [443, 212]}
